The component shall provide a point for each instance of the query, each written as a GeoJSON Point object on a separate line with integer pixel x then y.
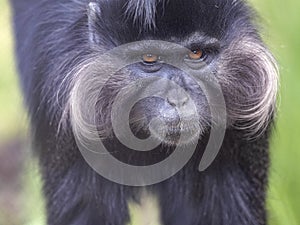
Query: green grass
{"type": "Point", "coordinates": [281, 21]}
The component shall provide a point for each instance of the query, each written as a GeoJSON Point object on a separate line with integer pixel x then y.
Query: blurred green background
{"type": "Point", "coordinates": [20, 199]}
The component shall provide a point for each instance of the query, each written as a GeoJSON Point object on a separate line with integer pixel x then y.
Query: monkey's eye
{"type": "Point", "coordinates": [150, 58]}
{"type": "Point", "coordinates": [196, 55]}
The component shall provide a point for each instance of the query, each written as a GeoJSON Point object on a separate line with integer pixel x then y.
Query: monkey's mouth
{"type": "Point", "coordinates": [178, 132]}
{"type": "Point", "coordinates": [165, 124]}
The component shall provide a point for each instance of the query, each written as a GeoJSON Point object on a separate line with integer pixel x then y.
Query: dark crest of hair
{"type": "Point", "coordinates": [143, 11]}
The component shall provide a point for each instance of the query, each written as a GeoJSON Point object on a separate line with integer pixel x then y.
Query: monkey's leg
{"type": "Point", "coordinates": [81, 197]}
{"type": "Point", "coordinates": [216, 198]}
{"type": "Point", "coordinates": [230, 192]}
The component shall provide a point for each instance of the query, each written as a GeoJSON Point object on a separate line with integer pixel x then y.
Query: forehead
{"type": "Point", "coordinates": [174, 18]}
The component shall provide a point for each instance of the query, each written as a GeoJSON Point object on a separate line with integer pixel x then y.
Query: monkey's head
{"type": "Point", "coordinates": [139, 55]}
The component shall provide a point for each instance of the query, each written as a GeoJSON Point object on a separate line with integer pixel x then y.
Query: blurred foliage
{"type": "Point", "coordinates": [25, 207]}
{"type": "Point", "coordinates": [281, 30]}
{"type": "Point", "coordinates": [12, 116]}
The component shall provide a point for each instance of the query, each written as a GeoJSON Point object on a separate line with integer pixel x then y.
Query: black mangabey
{"type": "Point", "coordinates": [57, 40]}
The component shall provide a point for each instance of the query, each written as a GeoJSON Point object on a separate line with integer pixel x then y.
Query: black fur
{"type": "Point", "coordinates": [53, 36]}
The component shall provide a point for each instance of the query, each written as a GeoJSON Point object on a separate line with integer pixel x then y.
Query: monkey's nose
{"type": "Point", "coordinates": [177, 97]}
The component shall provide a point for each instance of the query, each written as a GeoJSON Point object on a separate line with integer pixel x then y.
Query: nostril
{"type": "Point", "coordinates": [177, 97]}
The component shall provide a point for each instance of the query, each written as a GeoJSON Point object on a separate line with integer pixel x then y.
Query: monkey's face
{"type": "Point", "coordinates": [168, 101]}
{"type": "Point", "coordinates": [219, 44]}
